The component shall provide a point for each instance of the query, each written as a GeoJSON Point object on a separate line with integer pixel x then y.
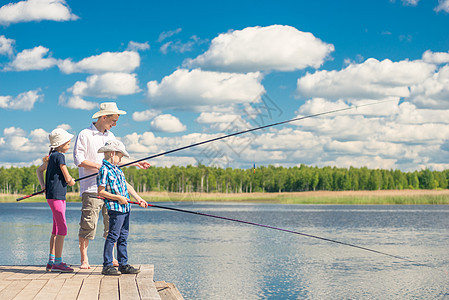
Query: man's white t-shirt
{"type": "Point", "coordinates": [87, 143]}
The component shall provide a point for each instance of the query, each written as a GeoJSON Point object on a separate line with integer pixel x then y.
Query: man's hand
{"type": "Point", "coordinates": [143, 165]}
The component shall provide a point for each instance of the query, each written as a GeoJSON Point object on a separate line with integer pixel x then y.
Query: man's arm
{"type": "Point", "coordinates": [141, 164]}
{"type": "Point", "coordinates": [79, 154]}
{"type": "Point", "coordinates": [87, 164]}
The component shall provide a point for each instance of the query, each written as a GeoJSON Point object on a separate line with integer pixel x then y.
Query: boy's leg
{"type": "Point", "coordinates": [122, 242]}
{"type": "Point", "coordinates": [104, 212]}
{"type": "Point", "coordinates": [116, 220]}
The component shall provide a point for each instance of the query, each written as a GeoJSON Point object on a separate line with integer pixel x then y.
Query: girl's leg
{"type": "Point", "coordinates": [51, 256]}
{"type": "Point", "coordinates": [58, 208]}
{"type": "Point", "coordinates": [59, 245]}
{"type": "Point", "coordinates": [52, 244]}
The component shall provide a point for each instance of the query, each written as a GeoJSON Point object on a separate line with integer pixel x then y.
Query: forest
{"type": "Point", "coordinates": [204, 179]}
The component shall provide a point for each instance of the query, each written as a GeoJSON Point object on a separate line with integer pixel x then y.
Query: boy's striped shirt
{"type": "Point", "coordinates": [114, 182]}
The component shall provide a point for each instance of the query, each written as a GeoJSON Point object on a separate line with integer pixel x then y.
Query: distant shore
{"type": "Point", "coordinates": [316, 197]}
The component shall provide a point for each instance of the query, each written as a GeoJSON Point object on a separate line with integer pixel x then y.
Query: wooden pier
{"type": "Point", "coordinates": [33, 282]}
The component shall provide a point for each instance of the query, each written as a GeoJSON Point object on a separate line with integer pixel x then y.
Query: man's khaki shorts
{"type": "Point", "coordinates": [90, 211]}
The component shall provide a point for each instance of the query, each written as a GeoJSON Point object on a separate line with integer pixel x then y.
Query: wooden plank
{"type": "Point", "coordinates": [50, 289]}
{"type": "Point", "coordinates": [167, 291]}
{"type": "Point", "coordinates": [90, 289]}
{"type": "Point", "coordinates": [109, 288]}
{"type": "Point", "coordinates": [70, 289]}
{"type": "Point", "coordinates": [146, 271]}
{"type": "Point", "coordinates": [48, 275]}
{"type": "Point", "coordinates": [9, 271]}
{"type": "Point", "coordinates": [85, 272]}
{"type": "Point", "coordinates": [31, 290]}
{"type": "Point", "coordinates": [14, 288]}
{"type": "Point", "coordinates": [147, 289]}
{"type": "Point", "coordinates": [175, 291]}
{"type": "Point", "coordinates": [21, 273]}
{"type": "Point", "coordinates": [4, 284]}
{"type": "Point", "coordinates": [37, 271]}
{"type": "Point", "coordinates": [128, 287]}
{"type": "Point", "coordinates": [66, 275]}
{"type": "Point", "coordinates": [33, 282]}
{"type": "Point", "coordinates": [145, 283]}
{"type": "Point", "coordinates": [96, 272]}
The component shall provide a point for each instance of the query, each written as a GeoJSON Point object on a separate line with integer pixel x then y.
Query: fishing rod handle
{"type": "Point", "coordinates": [29, 196]}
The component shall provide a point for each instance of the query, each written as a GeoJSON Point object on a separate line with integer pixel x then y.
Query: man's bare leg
{"type": "Point", "coordinates": [83, 244]}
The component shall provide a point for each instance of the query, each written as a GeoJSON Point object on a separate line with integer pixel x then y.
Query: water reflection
{"type": "Point", "coordinates": [215, 259]}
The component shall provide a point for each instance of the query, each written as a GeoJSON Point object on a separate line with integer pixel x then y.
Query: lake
{"type": "Point", "coordinates": [207, 258]}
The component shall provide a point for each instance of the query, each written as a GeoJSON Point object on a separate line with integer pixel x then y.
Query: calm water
{"type": "Point", "coordinates": [215, 259]}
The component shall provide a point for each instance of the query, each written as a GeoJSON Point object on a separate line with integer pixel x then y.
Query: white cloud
{"type": "Point", "coordinates": [167, 123]}
{"type": "Point", "coordinates": [135, 46]}
{"type": "Point", "coordinates": [435, 57]}
{"type": "Point", "coordinates": [32, 59]}
{"type": "Point", "coordinates": [76, 102]}
{"type": "Point", "coordinates": [443, 5]}
{"type": "Point", "coordinates": [108, 85]}
{"type": "Point", "coordinates": [179, 46]}
{"type": "Point", "coordinates": [66, 127]}
{"type": "Point", "coordinates": [166, 34]}
{"type": "Point", "coordinates": [16, 144]}
{"type": "Point", "coordinates": [433, 91]}
{"type": "Point", "coordinates": [224, 121]}
{"type": "Point", "coordinates": [275, 47]}
{"type": "Point", "coordinates": [408, 138]}
{"type": "Point", "coordinates": [408, 113]}
{"type": "Point", "coordinates": [372, 79]}
{"type": "Point", "coordinates": [142, 143]}
{"type": "Point", "coordinates": [193, 89]}
{"type": "Point", "coordinates": [123, 62]}
{"type": "Point", "coordinates": [405, 137]}
{"type": "Point", "coordinates": [6, 46]}
{"type": "Point", "coordinates": [13, 131]}
{"type": "Point", "coordinates": [146, 115]}
{"type": "Point", "coordinates": [24, 101]}
{"type": "Point", "coordinates": [214, 117]}
{"type": "Point", "coordinates": [410, 2]}
{"type": "Point", "coordinates": [384, 107]}
{"type": "Point", "coordinates": [35, 10]}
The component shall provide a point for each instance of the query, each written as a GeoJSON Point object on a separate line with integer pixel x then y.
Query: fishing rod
{"type": "Point", "coordinates": [227, 136]}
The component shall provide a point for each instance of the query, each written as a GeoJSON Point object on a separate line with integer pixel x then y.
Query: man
{"type": "Point", "coordinates": [89, 162]}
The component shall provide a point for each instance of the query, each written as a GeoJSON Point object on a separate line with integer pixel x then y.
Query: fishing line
{"type": "Point", "coordinates": [293, 232]}
{"type": "Point", "coordinates": [227, 136]}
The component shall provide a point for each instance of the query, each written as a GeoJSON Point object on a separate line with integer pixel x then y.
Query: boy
{"type": "Point", "coordinates": [113, 187]}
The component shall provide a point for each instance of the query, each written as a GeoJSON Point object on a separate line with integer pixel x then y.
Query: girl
{"type": "Point", "coordinates": [57, 178]}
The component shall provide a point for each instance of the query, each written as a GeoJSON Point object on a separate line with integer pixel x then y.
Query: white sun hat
{"type": "Point", "coordinates": [114, 145]}
{"type": "Point", "coordinates": [108, 108]}
{"type": "Point", "coordinates": [59, 137]}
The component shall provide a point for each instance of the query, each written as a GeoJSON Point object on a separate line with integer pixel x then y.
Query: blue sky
{"type": "Point", "coordinates": [190, 71]}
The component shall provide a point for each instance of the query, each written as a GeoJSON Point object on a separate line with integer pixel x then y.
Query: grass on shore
{"type": "Point", "coordinates": [319, 197]}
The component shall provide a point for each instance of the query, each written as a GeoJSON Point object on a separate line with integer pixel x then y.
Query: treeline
{"type": "Point", "coordinates": [262, 179]}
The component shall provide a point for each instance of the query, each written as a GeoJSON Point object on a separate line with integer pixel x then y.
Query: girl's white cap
{"type": "Point", "coordinates": [114, 145]}
{"type": "Point", "coordinates": [58, 137]}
